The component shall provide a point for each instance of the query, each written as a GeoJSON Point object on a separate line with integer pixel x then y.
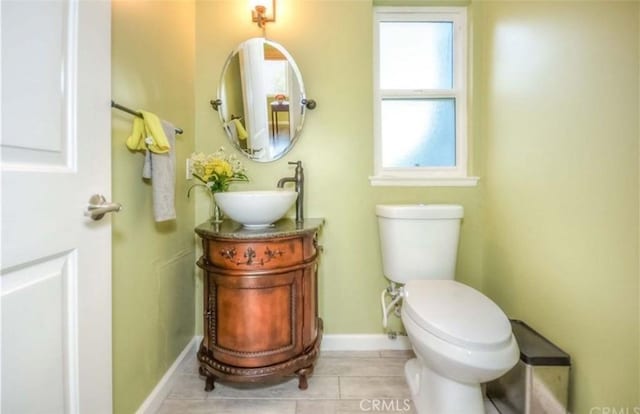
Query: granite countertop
{"type": "Point", "coordinates": [229, 229]}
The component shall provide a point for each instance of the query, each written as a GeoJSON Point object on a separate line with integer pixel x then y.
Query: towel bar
{"type": "Point", "coordinates": [135, 113]}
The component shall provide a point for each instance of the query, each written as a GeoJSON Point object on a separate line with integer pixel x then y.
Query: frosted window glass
{"type": "Point", "coordinates": [418, 133]}
{"type": "Point", "coordinates": [416, 55]}
{"type": "Point", "coordinates": [275, 77]}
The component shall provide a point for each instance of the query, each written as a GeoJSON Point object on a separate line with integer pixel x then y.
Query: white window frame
{"type": "Point", "coordinates": [425, 176]}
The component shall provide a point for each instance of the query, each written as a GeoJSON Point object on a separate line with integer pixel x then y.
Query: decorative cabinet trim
{"type": "Point", "coordinates": [250, 257]}
{"type": "Point", "coordinates": [221, 370]}
{"type": "Point", "coordinates": [258, 255]}
{"type": "Point", "coordinates": [210, 311]}
{"type": "Point", "coordinates": [228, 253]}
{"type": "Point", "coordinates": [272, 254]}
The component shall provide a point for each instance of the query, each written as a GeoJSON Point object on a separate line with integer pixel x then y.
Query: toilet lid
{"type": "Point", "coordinates": [456, 313]}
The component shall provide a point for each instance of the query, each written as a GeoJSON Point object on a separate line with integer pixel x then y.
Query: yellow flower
{"type": "Point", "coordinates": [222, 168]}
{"type": "Point", "coordinates": [217, 171]}
{"type": "Point", "coordinates": [207, 171]}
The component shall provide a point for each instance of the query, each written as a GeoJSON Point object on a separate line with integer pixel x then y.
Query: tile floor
{"type": "Point", "coordinates": [343, 383]}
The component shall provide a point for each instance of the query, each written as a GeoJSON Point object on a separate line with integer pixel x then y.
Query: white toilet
{"type": "Point", "coordinates": [460, 337]}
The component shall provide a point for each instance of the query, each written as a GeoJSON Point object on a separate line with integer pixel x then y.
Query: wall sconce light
{"type": "Point", "coordinates": [263, 11]}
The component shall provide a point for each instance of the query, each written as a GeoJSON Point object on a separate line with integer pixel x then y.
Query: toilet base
{"type": "Point", "coordinates": [434, 394]}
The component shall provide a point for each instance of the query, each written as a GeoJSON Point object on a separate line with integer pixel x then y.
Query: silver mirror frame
{"type": "Point", "coordinates": [304, 104]}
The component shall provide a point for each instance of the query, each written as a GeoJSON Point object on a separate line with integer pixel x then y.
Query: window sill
{"type": "Point", "coordinates": [388, 181]}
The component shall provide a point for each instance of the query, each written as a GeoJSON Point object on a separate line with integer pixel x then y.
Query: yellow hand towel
{"type": "Point", "coordinates": [242, 133]}
{"type": "Point", "coordinates": [147, 133]}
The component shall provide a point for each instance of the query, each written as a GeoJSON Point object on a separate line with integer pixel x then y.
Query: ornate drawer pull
{"type": "Point", "coordinates": [271, 254]}
{"type": "Point", "coordinates": [228, 254]}
{"type": "Point", "coordinates": [250, 256]}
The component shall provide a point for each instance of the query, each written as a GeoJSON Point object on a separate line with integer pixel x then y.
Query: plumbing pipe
{"type": "Point", "coordinates": [396, 295]}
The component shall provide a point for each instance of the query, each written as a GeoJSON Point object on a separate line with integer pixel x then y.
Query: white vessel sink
{"type": "Point", "coordinates": [256, 209]}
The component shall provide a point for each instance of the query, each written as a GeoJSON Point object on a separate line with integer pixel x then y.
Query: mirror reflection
{"type": "Point", "coordinates": [261, 100]}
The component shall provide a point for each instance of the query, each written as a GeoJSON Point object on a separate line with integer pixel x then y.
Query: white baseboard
{"type": "Point", "coordinates": [363, 342]}
{"type": "Point", "coordinates": [154, 400]}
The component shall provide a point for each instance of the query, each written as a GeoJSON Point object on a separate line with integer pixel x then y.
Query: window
{"type": "Point", "coordinates": [275, 77]}
{"type": "Point", "coordinates": [420, 96]}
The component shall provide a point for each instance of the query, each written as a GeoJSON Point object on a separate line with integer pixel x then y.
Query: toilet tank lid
{"type": "Point", "coordinates": [420, 211]}
{"type": "Point", "coordinates": [457, 314]}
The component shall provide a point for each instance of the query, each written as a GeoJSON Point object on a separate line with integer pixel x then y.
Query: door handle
{"type": "Point", "coordinates": [98, 207]}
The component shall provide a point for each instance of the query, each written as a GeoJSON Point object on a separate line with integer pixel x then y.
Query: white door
{"type": "Point", "coordinates": [55, 266]}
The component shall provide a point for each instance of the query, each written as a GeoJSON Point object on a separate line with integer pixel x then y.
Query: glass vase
{"type": "Point", "coordinates": [215, 213]}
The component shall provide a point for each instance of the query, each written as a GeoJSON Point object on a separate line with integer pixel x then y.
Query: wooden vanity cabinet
{"type": "Point", "coordinates": [260, 302]}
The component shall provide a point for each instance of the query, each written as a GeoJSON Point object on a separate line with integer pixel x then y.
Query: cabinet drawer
{"type": "Point", "coordinates": [256, 255]}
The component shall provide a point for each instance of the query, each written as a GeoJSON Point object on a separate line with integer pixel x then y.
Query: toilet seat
{"type": "Point", "coordinates": [457, 314]}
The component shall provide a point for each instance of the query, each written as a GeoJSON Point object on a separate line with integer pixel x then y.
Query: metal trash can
{"type": "Point", "coordinates": [539, 383]}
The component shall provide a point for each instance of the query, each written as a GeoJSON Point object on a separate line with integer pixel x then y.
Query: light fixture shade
{"type": "Point", "coordinates": [268, 10]}
{"type": "Point", "coordinates": [264, 3]}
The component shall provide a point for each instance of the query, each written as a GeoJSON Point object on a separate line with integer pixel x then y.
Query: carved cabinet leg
{"type": "Point", "coordinates": [303, 374]}
{"type": "Point", "coordinates": [210, 383]}
{"type": "Point", "coordinates": [302, 382]}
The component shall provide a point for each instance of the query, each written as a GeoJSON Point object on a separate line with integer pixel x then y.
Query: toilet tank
{"type": "Point", "coordinates": [419, 241]}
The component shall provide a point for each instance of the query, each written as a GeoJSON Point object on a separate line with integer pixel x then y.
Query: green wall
{"type": "Point", "coordinates": [559, 87]}
{"type": "Point", "coordinates": [153, 285]}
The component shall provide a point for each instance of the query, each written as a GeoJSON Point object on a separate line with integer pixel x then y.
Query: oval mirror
{"type": "Point", "coordinates": [261, 100]}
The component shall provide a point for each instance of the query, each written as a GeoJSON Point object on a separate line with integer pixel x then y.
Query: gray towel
{"type": "Point", "coordinates": [161, 169]}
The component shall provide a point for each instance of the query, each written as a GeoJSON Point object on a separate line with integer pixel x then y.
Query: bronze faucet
{"type": "Point", "coordinates": [298, 179]}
